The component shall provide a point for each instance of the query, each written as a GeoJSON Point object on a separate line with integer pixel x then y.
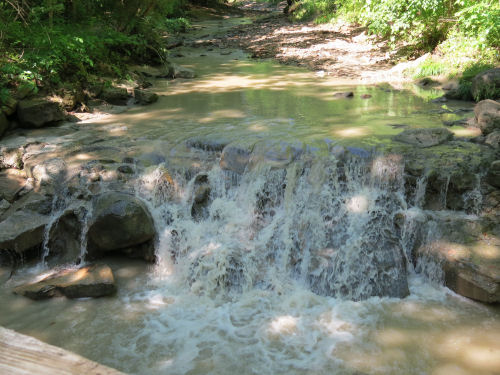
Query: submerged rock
{"type": "Point", "coordinates": [36, 113]}
{"type": "Point", "coordinates": [486, 85]}
{"type": "Point", "coordinates": [120, 221]}
{"type": "Point", "coordinates": [176, 71]}
{"type": "Point", "coordinates": [145, 97]}
{"type": "Point", "coordinates": [343, 95]}
{"type": "Point", "coordinates": [487, 116]}
{"type": "Point", "coordinates": [90, 281]}
{"type": "Point", "coordinates": [235, 157]}
{"type": "Point", "coordinates": [426, 137]}
{"type": "Point", "coordinates": [115, 95]}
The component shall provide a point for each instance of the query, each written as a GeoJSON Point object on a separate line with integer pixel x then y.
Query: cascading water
{"type": "Point", "coordinates": [325, 223]}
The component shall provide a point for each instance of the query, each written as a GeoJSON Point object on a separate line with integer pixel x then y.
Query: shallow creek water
{"type": "Point", "coordinates": [230, 302]}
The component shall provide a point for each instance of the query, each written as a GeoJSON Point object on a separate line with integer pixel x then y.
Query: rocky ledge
{"type": "Point", "coordinates": [89, 281]}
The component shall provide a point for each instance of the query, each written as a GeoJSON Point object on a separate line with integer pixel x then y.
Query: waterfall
{"type": "Point", "coordinates": [324, 222]}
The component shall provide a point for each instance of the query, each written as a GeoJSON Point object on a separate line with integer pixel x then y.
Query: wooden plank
{"type": "Point", "coordinates": [25, 355]}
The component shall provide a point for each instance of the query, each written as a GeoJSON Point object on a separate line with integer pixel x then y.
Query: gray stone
{"type": "Point", "coordinates": [426, 137]}
{"type": "Point", "coordinates": [48, 171]}
{"type": "Point", "coordinates": [119, 221]}
{"type": "Point", "coordinates": [89, 281]}
{"type": "Point", "coordinates": [486, 85]}
{"type": "Point", "coordinates": [115, 95]}
{"type": "Point", "coordinates": [487, 116]}
{"type": "Point", "coordinates": [10, 186]}
{"type": "Point", "coordinates": [64, 239]}
{"type": "Point", "coordinates": [145, 97]}
{"type": "Point", "coordinates": [22, 232]}
{"type": "Point", "coordinates": [493, 176]}
{"type": "Point", "coordinates": [36, 113]}
{"type": "Point", "coordinates": [4, 206]}
{"type": "Point", "coordinates": [493, 139]}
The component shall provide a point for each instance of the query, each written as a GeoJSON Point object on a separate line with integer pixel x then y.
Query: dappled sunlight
{"type": "Point", "coordinates": [490, 252]}
{"type": "Point", "coordinates": [476, 350]}
{"type": "Point", "coordinates": [258, 127]}
{"type": "Point", "coordinates": [352, 132]}
{"type": "Point", "coordinates": [466, 132]}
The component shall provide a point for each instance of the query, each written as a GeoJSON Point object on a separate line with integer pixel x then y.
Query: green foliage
{"type": "Point", "coordinates": [61, 40]}
{"type": "Point", "coordinates": [4, 95]}
{"type": "Point", "coordinates": [429, 68]}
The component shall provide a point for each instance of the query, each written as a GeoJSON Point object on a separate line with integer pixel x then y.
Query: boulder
{"type": "Point", "coordinates": [426, 137]}
{"type": "Point", "coordinates": [493, 139]}
{"type": "Point", "coordinates": [36, 113]}
{"type": "Point", "coordinates": [493, 176]}
{"type": "Point", "coordinates": [21, 234]}
{"type": "Point", "coordinates": [114, 95]}
{"type": "Point", "coordinates": [487, 116]}
{"type": "Point", "coordinates": [89, 281]}
{"type": "Point", "coordinates": [4, 124]}
{"type": "Point", "coordinates": [119, 221]}
{"type": "Point", "coordinates": [65, 243]}
{"type": "Point", "coordinates": [486, 85]}
{"type": "Point", "coordinates": [145, 97]}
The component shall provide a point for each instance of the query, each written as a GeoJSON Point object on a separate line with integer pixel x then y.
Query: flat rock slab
{"type": "Point", "coordinates": [25, 355]}
{"type": "Point", "coordinates": [10, 185]}
{"type": "Point", "coordinates": [471, 270]}
{"type": "Point", "coordinates": [89, 281]}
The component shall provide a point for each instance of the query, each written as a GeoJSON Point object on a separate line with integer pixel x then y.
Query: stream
{"type": "Point", "coordinates": [276, 272]}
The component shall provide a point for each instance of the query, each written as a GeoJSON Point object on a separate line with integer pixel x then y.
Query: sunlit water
{"type": "Point", "coordinates": [273, 276]}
